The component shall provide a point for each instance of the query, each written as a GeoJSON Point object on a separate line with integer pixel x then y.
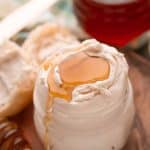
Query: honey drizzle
{"type": "Point", "coordinates": [65, 90]}
{"type": "Point", "coordinates": [76, 70]}
{"type": "Point", "coordinates": [47, 119]}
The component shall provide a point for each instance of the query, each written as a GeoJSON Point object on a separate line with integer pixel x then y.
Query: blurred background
{"type": "Point", "coordinates": [63, 11]}
{"type": "Point", "coordinates": [136, 47]}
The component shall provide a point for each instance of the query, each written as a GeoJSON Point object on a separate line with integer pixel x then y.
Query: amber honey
{"type": "Point", "coordinates": [77, 69]}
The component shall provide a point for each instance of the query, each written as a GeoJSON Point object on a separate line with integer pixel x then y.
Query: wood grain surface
{"type": "Point", "coordinates": [139, 138]}
{"type": "Point", "coordinates": [140, 76]}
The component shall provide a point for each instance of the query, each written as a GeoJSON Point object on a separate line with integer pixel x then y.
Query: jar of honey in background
{"type": "Point", "coordinates": [115, 22]}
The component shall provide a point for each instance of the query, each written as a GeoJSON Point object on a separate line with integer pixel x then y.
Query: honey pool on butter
{"type": "Point", "coordinates": [76, 70]}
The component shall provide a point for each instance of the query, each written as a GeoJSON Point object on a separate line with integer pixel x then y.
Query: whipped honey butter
{"type": "Point", "coordinates": [83, 99]}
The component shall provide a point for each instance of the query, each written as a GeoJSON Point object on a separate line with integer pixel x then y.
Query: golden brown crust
{"type": "Point", "coordinates": [45, 38]}
{"type": "Point", "coordinates": [17, 77]}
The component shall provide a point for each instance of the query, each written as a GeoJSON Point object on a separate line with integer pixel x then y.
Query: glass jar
{"type": "Point", "coordinates": [115, 22]}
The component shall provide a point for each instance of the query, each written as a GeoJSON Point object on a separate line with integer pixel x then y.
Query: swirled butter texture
{"type": "Point", "coordinates": [99, 111]}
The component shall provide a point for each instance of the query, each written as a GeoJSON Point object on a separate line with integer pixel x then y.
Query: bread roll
{"type": "Point", "coordinates": [17, 77]}
{"type": "Point", "coordinates": [46, 39]}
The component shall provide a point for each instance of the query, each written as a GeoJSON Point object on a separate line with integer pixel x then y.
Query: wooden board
{"type": "Point", "coordinates": [139, 138]}
{"type": "Point", "coordinates": [140, 76]}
